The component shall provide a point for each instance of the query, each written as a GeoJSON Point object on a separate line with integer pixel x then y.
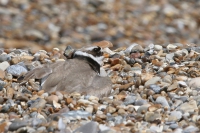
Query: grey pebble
{"type": "Point", "coordinates": [90, 127]}
{"type": "Point", "coordinates": [5, 57]}
{"type": "Point", "coordinates": [162, 100]}
{"type": "Point", "coordinates": [155, 88]}
{"type": "Point", "coordinates": [16, 70]}
{"type": "Point", "coordinates": [16, 124]}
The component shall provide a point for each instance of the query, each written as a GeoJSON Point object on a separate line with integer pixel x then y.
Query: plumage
{"type": "Point", "coordinates": [79, 74]}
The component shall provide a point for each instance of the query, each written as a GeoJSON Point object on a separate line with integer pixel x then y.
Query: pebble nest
{"type": "Point", "coordinates": [155, 89]}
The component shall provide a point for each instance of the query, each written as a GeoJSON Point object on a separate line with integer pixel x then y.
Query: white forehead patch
{"type": "Point", "coordinates": [99, 60]}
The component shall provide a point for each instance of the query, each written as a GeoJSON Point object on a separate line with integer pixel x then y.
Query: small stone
{"type": "Point", "coordinates": [171, 47]}
{"type": "Point", "coordinates": [91, 127]}
{"type": "Point", "coordinates": [110, 109]}
{"type": "Point", "coordinates": [17, 124]}
{"type": "Point", "coordinates": [155, 88]}
{"type": "Point", "coordinates": [4, 65]}
{"type": "Point", "coordinates": [153, 80]}
{"type": "Point", "coordinates": [162, 100]}
{"type": "Point", "coordinates": [158, 47]}
{"type": "Point", "coordinates": [173, 126]}
{"type": "Point", "coordinates": [152, 116]}
{"type": "Point", "coordinates": [56, 105]}
{"type": "Point", "coordinates": [5, 57]}
{"type": "Point", "coordinates": [175, 116]}
{"type": "Point", "coordinates": [52, 98]}
{"type": "Point", "coordinates": [16, 70]}
{"type": "Point", "coordinates": [173, 86]}
{"type": "Point", "coordinates": [38, 103]}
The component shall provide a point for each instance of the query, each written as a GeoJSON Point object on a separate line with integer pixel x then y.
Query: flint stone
{"type": "Point", "coordinates": [90, 127]}
{"type": "Point", "coordinates": [16, 70]}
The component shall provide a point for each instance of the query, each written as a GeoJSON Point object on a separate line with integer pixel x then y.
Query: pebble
{"type": "Point", "coordinates": [5, 57]}
{"type": "Point", "coordinates": [16, 70]}
{"type": "Point", "coordinates": [17, 124]}
{"type": "Point", "coordinates": [4, 65]}
{"type": "Point", "coordinates": [153, 80]}
{"type": "Point", "coordinates": [155, 88]}
{"type": "Point", "coordinates": [162, 100]}
{"type": "Point", "coordinates": [38, 103]}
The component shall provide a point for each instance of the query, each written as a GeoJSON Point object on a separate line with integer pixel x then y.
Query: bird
{"type": "Point", "coordinates": [80, 72]}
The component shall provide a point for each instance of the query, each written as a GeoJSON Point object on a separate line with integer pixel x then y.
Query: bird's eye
{"type": "Point", "coordinates": [97, 49]}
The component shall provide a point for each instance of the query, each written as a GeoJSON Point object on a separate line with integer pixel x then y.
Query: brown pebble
{"type": "Point", "coordinates": [110, 109]}
{"type": "Point", "coordinates": [52, 98]}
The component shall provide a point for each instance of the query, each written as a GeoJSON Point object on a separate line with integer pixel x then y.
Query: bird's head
{"type": "Point", "coordinates": [93, 55]}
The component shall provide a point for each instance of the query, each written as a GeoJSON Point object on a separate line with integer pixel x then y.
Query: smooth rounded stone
{"type": "Point", "coordinates": [16, 124]}
{"type": "Point", "coordinates": [152, 116]}
{"type": "Point", "coordinates": [90, 127]}
{"type": "Point", "coordinates": [158, 47]}
{"type": "Point", "coordinates": [5, 57]}
{"type": "Point", "coordinates": [89, 109]}
{"type": "Point", "coordinates": [173, 126]}
{"type": "Point", "coordinates": [127, 68]}
{"type": "Point", "coordinates": [155, 88]}
{"type": "Point", "coordinates": [194, 83]}
{"type": "Point", "coordinates": [182, 84]}
{"type": "Point", "coordinates": [130, 99]}
{"type": "Point", "coordinates": [162, 100]}
{"type": "Point", "coordinates": [76, 114]}
{"type": "Point", "coordinates": [38, 103]}
{"type": "Point", "coordinates": [41, 129]}
{"type": "Point", "coordinates": [4, 65]}
{"type": "Point", "coordinates": [191, 129]}
{"type": "Point", "coordinates": [110, 109]}
{"type": "Point", "coordinates": [190, 106]}
{"type": "Point", "coordinates": [52, 98]}
{"type": "Point", "coordinates": [140, 102]}
{"type": "Point", "coordinates": [143, 109]}
{"type": "Point", "coordinates": [153, 80]}
{"type": "Point", "coordinates": [16, 70]}
{"type": "Point", "coordinates": [171, 47]}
